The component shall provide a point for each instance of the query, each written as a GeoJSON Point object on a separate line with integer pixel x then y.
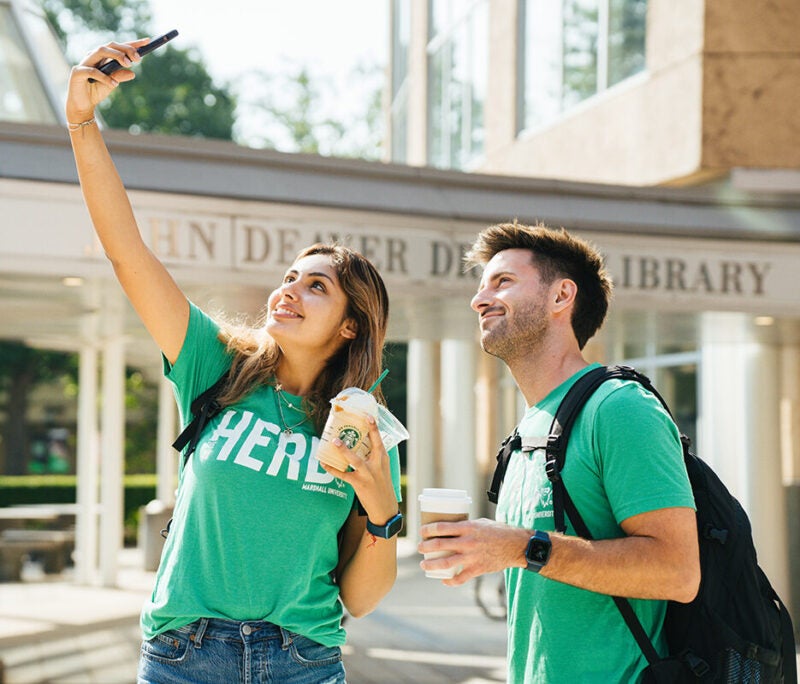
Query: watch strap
{"type": "Point", "coordinates": [387, 531]}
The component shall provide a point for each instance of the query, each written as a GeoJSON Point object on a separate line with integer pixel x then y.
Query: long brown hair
{"type": "Point", "coordinates": [358, 363]}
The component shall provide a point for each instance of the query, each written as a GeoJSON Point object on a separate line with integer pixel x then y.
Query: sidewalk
{"type": "Point", "coordinates": [60, 633]}
{"type": "Point", "coordinates": [55, 632]}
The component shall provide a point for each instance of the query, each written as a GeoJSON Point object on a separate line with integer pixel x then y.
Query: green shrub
{"type": "Point", "coordinates": [16, 490]}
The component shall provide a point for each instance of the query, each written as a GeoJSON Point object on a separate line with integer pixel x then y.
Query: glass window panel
{"type": "Point", "coordinates": [400, 128]}
{"type": "Point", "coordinates": [401, 36]}
{"type": "Point", "coordinates": [627, 25]}
{"type": "Point", "coordinates": [437, 148]}
{"type": "Point", "coordinates": [580, 50]}
{"type": "Point", "coordinates": [562, 55]}
{"type": "Point", "coordinates": [542, 62]}
{"type": "Point", "coordinates": [458, 96]}
{"type": "Point", "coordinates": [479, 54]}
{"type": "Point", "coordinates": [439, 12]}
{"type": "Point", "coordinates": [22, 95]}
{"type": "Point", "coordinates": [633, 349]}
{"type": "Point", "coordinates": [457, 66]}
{"type": "Point", "coordinates": [678, 386]}
{"type": "Point", "coordinates": [47, 49]}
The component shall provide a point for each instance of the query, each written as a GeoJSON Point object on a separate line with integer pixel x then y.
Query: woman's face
{"type": "Point", "coordinates": [308, 310]}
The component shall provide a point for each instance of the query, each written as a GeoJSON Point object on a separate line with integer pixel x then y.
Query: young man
{"type": "Point", "coordinates": [542, 295]}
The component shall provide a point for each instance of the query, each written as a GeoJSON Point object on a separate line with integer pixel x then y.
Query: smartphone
{"type": "Point", "coordinates": [114, 65]}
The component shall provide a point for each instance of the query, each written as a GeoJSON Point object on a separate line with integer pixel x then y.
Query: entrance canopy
{"type": "Point", "coordinates": [228, 221]}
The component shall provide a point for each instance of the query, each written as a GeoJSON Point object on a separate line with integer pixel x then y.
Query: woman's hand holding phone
{"type": "Point", "coordinates": [101, 71]}
{"type": "Point", "coordinates": [88, 85]}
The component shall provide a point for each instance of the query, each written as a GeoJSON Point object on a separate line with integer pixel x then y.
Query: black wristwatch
{"type": "Point", "coordinates": [537, 552]}
{"type": "Point", "coordinates": [388, 530]}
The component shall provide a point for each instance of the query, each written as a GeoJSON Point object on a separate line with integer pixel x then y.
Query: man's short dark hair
{"type": "Point", "coordinates": [556, 254]}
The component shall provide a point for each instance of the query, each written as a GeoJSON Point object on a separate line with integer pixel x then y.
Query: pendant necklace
{"type": "Point", "coordinates": [279, 398]}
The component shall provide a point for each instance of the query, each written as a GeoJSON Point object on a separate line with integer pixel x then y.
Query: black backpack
{"type": "Point", "coordinates": [737, 628]}
{"type": "Point", "coordinates": [204, 407]}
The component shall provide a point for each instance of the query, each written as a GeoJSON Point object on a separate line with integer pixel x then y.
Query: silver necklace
{"type": "Point", "coordinates": [279, 399]}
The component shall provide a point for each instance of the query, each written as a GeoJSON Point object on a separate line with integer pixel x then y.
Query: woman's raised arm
{"type": "Point", "coordinates": [155, 296]}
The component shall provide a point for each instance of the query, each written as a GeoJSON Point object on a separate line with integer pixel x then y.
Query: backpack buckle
{"type": "Point", "coordinates": [715, 534]}
{"type": "Point", "coordinates": [510, 444]}
{"type": "Point", "coordinates": [696, 664]}
{"type": "Point", "coordinates": [551, 460]}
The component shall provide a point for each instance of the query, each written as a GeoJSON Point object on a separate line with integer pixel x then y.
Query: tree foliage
{"type": "Point", "coordinates": [124, 19]}
{"type": "Point", "coordinates": [173, 93]}
{"type": "Point", "coordinates": [22, 368]}
{"type": "Point", "coordinates": [290, 111]}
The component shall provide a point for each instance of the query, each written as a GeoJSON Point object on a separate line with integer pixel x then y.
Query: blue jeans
{"type": "Point", "coordinates": [210, 651]}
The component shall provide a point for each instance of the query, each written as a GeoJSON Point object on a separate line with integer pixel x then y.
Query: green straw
{"type": "Point", "coordinates": [379, 380]}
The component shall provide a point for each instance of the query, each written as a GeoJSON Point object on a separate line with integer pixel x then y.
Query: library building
{"type": "Point", "coordinates": [666, 134]}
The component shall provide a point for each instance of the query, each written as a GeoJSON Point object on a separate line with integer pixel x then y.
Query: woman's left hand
{"type": "Point", "coordinates": [371, 477]}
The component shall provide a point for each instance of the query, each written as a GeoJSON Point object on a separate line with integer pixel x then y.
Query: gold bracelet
{"type": "Point", "coordinates": [78, 126]}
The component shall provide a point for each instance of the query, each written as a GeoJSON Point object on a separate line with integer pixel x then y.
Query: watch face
{"type": "Point", "coordinates": [396, 526]}
{"type": "Point", "coordinates": [539, 551]}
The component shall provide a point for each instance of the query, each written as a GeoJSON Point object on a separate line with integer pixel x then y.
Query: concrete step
{"type": "Point", "coordinates": [103, 652]}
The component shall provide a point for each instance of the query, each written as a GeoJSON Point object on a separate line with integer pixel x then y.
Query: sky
{"type": "Point", "coordinates": [239, 37]}
{"type": "Point", "coordinates": [236, 34]}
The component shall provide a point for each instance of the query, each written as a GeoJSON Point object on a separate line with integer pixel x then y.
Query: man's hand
{"type": "Point", "coordinates": [477, 546]}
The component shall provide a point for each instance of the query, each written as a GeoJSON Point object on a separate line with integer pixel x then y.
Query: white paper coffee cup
{"type": "Point", "coordinates": [443, 505]}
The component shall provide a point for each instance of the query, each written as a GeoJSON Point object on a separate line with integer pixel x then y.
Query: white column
{"type": "Point", "coordinates": [423, 414]}
{"type": "Point", "coordinates": [722, 401]}
{"type": "Point", "coordinates": [487, 420]}
{"type": "Point", "coordinates": [87, 466]}
{"type": "Point", "coordinates": [770, 526]}
{"type": "Point", "coordinates": [459, 467]}
{"type": "Point", "coordinates": [790, 414]}
{"type": "Point", "coordinates": [112, 467]}
{"type": "Point", "coordinates": [739, 432]}
{"type": "Point", "coordinates": [166, 458]}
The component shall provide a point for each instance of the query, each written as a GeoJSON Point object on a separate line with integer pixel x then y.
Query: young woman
{"type": "Point", "coordinates": [266, 543]}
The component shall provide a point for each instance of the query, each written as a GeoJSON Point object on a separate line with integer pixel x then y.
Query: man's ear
{"type": "Point", "coordinates": [349, 329]}
{"type": "Point", "coordinates": [565, 292]}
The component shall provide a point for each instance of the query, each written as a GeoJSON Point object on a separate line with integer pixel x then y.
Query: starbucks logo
{"type": "Point", "coordinates": [349, 436]}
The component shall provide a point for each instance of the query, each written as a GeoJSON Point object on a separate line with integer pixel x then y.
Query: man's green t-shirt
{"type": "Point", "coordinates": [254, 535]}
{"type": "Point", "coordinates": [624, 458]}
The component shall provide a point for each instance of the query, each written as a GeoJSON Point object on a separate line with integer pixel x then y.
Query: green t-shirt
{"type": "Point", "coordinates": [624, 457]}
{"type": "Point", "coordinates": [254, 535]}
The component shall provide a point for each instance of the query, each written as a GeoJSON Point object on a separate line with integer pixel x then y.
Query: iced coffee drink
{"type": "Point", "coordinates": [349, 421]}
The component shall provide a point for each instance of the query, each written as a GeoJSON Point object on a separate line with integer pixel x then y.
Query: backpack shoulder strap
{"type": "Point", "coordinates": [560, 430]}
{"type": "Point", "coordinates": [561, 427]}
{"type": "Point", "coordinates": [204, 408]}
{"type": "Point", "coordinates": [510, 444]}
{"type": "Point", "coordinates": [564, 420]}
{"type": "Point", "coordinates": [574, 401]}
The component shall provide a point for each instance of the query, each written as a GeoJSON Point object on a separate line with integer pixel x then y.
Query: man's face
{"type": "Point", "coordinates": [511, 304]}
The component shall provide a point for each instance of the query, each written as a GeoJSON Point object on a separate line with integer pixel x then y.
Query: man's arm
{"type": "Point", "coordinates": [658, 559]}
